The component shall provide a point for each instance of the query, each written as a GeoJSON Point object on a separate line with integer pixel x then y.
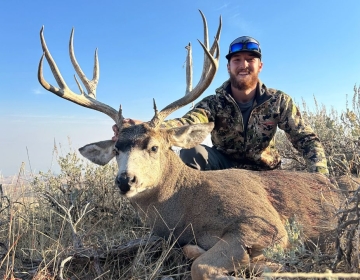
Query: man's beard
{"type": "Point", "coordinates": [244, 85]}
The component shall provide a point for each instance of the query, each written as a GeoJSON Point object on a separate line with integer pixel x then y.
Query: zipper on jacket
{"type": "Point", "coordinates": [241, 114]}
{"type": "Point", "coordinates": [243, 127]}
{"type": "Point", "coordinates": [256, 106]}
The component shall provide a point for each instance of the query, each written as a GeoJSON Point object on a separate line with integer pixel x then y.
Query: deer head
{"type": "Point", "coordinates": [142, 150]}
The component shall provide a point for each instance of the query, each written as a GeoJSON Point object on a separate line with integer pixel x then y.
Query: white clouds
{"type": "Point", "coordinates": [239, 21]}
{"type": "Point", "coordinates": [224, 6]}
{"type": "Point", "coordinates": [38, 91]}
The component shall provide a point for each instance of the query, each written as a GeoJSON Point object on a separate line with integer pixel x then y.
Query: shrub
{"type": "Point", "coordinates": [339, 133]}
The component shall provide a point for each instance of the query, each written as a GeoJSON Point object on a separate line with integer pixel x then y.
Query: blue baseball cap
{"type": "Point", "coordinates": [244, 44]}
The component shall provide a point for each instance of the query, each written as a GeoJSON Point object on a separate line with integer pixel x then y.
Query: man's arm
{"type": "Point", "coordinates": [203, 112]}
{"type": "Point", "coordinates": [199, 114]}
{"type": "Point", "coordinates": [196, 115]}
{"type": "Point", "coordinates": [302, 136]}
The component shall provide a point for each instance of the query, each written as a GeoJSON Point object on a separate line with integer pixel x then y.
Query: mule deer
{"type": "Point", "coordinates": [223, 218]}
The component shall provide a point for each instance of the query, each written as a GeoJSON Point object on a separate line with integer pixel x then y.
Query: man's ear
{"type": "Point", "coordinates": [100, 152]}
{"type": "Point", "coordinates": [260, 65]}
{"type": "Point", "coordinates": [189, 136]}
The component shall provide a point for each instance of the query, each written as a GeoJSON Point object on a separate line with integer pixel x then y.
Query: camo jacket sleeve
{"type": "Point", "coordinates": [302, 136]}
{"type": "Point", "coordinates": [201, 113]}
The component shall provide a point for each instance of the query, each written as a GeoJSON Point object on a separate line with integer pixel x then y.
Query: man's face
{"type": "Point", "coordinates": [244, 69]}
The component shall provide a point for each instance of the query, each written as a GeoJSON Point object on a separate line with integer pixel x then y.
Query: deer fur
{"type": "Point", "coordinates": [223, 218]}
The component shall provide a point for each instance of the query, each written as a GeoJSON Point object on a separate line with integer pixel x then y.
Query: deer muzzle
{"type": "Point", "coordinates": [125, 181]}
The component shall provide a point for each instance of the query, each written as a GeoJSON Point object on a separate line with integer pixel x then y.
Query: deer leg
{"type": "Point", "coordinates": [224, 257]}
{"type": "Point", "coordinates": [193, 251]}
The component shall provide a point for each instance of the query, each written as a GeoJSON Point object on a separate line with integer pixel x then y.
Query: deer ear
{"type": "Point", "coordinates": [189, 136]}
{"type": "Point", "coordinates": [100, 152]}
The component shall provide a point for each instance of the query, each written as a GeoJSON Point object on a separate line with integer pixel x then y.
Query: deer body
{"type": "Point", "coordinates": [224, 212]}
{"type": "Point", "coordinates": [202, 206]}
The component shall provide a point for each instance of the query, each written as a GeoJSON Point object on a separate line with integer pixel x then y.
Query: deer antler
{"type": "Point", "coordinates": [211, 63]}
{"type": "Point", "coordinates": [189, 71]}
{"type": "Point", "coordinates": [86, 100]}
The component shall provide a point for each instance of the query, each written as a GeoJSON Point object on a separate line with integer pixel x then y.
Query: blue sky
{"type": "Point", "coordinates": [310, 48]}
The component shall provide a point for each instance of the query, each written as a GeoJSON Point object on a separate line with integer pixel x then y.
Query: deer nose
{"type": "Point", "coordinates": [125, 181]}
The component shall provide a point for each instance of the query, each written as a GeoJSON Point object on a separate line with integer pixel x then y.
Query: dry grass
{"type": "Point", "coordinates": [75, 225]}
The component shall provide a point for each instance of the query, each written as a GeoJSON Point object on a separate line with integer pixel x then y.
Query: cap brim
{"type": "Point", "coordinates": [256, 53]}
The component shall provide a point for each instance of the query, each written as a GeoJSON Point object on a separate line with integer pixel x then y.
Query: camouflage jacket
{"type": "Point", "coordinates": [255, 144]}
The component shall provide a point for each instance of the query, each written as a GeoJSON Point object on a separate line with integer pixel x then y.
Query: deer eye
{"type": "Point", "coordinates": [154, 148]}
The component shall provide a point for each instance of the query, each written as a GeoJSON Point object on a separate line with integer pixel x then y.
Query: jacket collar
{"type": "Point", "coordinates": [262, 93]}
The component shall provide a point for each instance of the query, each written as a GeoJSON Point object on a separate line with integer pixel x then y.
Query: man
{"type": "Point", "coordinates": [246, 115]}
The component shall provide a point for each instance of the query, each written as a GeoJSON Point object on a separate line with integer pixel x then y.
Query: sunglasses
{"type": "Point", "coordinates": [250, 46]}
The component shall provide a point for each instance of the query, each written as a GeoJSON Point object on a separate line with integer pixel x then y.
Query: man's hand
{"type": "Point", "coordinates": [116, 133]}
{"type": "Point", "coordinates": [125, 121]}
{"type": "Point", "coordinates": [330, 178]}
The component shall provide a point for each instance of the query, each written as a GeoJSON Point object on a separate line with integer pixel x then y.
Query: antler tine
{"type": "Point", "coordinates": [155, 107]}
{"type": "Point", "coordinates": [215, 46]}
{"type": "Point", "coordinates": [188, 69]}
{"type": "Point", "coordinates": [64, 91]}
{"type": "Point", "coordinates": [89, 85]}
{"type": "Point", "coordinates": [206, 33]}
{"type": "Point", "coordinates": [210, 67]}
{"type": "Point", "coordinates": [120, 118]}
